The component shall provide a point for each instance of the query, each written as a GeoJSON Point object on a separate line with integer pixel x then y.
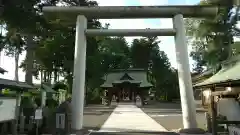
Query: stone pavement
{"type": "Point", "coordinates": [130, 118]}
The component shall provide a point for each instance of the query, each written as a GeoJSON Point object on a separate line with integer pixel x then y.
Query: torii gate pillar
{"type": "Point", "coordinates": [184, 74]}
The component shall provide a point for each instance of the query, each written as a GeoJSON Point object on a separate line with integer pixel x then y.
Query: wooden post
{"type": "Point", "coordinates": [214, 115]}
{"type": "Point", "coordinates": [110, 94]}
{"type": "Point", "coordinates": [208, 119]}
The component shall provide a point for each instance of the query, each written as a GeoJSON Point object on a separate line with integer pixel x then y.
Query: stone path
{"type": "Point", "coordinates": [129, 118]}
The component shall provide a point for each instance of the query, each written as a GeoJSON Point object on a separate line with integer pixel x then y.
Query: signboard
{"type": "Point", "coordinates": [7, 109]}
{"type": "Point", "coordinates": [233, 130]}
{"type": "Point", "coordinates": [60, 120]}
{"type": "Point", "coordinates": [206, 97]}
{"type": "Point", "coordinates": [138, 101]}
{"type": "Point", "coordinates": [38, 114]}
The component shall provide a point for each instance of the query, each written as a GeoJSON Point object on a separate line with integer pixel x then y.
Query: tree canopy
{"type": "Point", "coordinates": [211, 39]}
{"type": "Point", "coordinates": [50, 48]}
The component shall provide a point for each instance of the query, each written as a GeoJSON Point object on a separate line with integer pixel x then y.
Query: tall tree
{"type": "Point", "coordinates": [141, 50]}
{"type": "Point", "coordinates": [50, 47]}
{"type": "Point", "coordinates": [28, 12]}
{"type": "Point", "coordinates": [145, 53]}
{"type": "Point", "coordinates": [211, 39]}
{"type": "Point", "coordinates": [14, 46]}
{"type": "Point", "coordinates": [114, 52]}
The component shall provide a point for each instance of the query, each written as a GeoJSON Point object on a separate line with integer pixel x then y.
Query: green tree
{"type": "Point", "coordinates": [28, 12]}
{"type": "Point", "coordinates": [114, 52]}
{"type": "Point", "coordinates": [141, 51]}
{"type": "Point", "coordinates": [50, 48]}
{"type": "Point", "coordinates": [211, 39]}
{"type": "Point", "coordinates": [145, 53]}
{"type": "Point", "coordinates": [14, 46]}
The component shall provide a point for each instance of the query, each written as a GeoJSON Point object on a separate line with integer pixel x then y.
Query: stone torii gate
{"type": "Point", "coordinates": [81, 14]}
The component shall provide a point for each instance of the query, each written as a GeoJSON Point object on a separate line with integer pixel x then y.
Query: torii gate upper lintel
{"type": "Point", "coordinates": [129, 12]}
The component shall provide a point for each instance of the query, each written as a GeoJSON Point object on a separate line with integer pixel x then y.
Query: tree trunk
{"type": "Point", "coordinates": [41, 74]}
{"type": "Point", "coordinates": [44, 76]}
{"type": "Point", "coordinates": [29, 59]}
{"type": "Point", "coordinates": [69, 79]}
{"type": "Point", "coordinates": [58, 74]}
{"type": "Point", "coordinates": [16, 67]}
{"type": "Point", "coordinates": [49, 77]}
{"type": "Point", "coordinates": [55, 76]}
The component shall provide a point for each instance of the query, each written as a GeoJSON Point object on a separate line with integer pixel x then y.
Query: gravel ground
{"type": "Point", "coordinates": [95, 116]}
{"type": "Point", "coordinates": [169, 115]}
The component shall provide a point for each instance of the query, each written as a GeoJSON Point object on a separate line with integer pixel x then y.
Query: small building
{"type": "Point", "coordinates": [203, 76]}
{"type": "Point", "coordinates": [125, 85]}
{"type": "Point", "coordinates": [200, 77]}
{"type": "Point", "coordinates": [220, 95]}
{"type": "Point", "coordinates": [10, 104]}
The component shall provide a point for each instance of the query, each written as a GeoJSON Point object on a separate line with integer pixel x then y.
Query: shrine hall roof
{"type": "Point", "coordinates": [2, 70]}
{"type": "Point", "coordinates": [14, 84]}
{"type": "Point", "coordinates": [229, 73]}
{"type": "Point", "coordinates": [135, 76]}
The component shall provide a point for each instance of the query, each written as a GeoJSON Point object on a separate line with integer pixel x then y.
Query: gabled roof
{"type": "Point", "coordinates": [45, 87]}
{"type": "Point", "coordinates": [126, 77]}
{"type": "Point", "coordinates": [14, 84]}
{"type": "Point", "coordinates": [2, 71]}
{"type": "Point", "coordinates": [228, 73]}
{"type": "Point", "coordinates": [129, 75]}
{"type": "Point", "coordinates": [203, 76]}
{"type": "Point", "coordinates": [128, 81]}
{"type": "Point", "coordinates": [128, 70]}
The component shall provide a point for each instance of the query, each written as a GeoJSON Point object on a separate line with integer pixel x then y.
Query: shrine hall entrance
{"type": "Point", "coordinates": [126, 92]}
{"type": "Point", "coordinates": [125, 85]}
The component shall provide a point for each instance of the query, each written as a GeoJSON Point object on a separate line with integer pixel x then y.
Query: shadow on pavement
{"type": "Point", "coordinates": [91, 128]}
{"type": "Point", "coordinates": [98, 110]}
{"type": "Point", "coordinates": [125, 131]}
{"type": "Point", "coordinates": [134, 133]}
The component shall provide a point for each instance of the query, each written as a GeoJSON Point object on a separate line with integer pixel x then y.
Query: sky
{"type": "Point", "coordinates": [167, 43]}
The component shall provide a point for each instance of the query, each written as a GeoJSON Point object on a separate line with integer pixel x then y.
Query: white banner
{"type": "Point", "coordinates": [7, 109]}
{"type": "Point", "coordinates": [60, 120]}
{"type": "Point", "coordinates": [38, 114]}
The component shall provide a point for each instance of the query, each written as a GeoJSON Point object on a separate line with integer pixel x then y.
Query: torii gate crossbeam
{"type": "Point", "coordinates": [129, 32]}
{"type": "Point", "coordinates": [68, 14]}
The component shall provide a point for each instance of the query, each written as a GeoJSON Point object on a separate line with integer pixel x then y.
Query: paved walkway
{"type": "Point", "coordinates": [129, 118]}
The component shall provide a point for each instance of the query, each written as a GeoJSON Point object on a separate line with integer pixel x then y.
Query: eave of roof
{"type": "Point", "coordinates": [2, 71]}
{"type": "Point", "coordinates": [120, 73]}
{"type": "Point", "coordinates": [14, 84]}
{"type": "Point", "coordinates": [228, 74]}
{"type": "Point", "coordinates": [127, 70]}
